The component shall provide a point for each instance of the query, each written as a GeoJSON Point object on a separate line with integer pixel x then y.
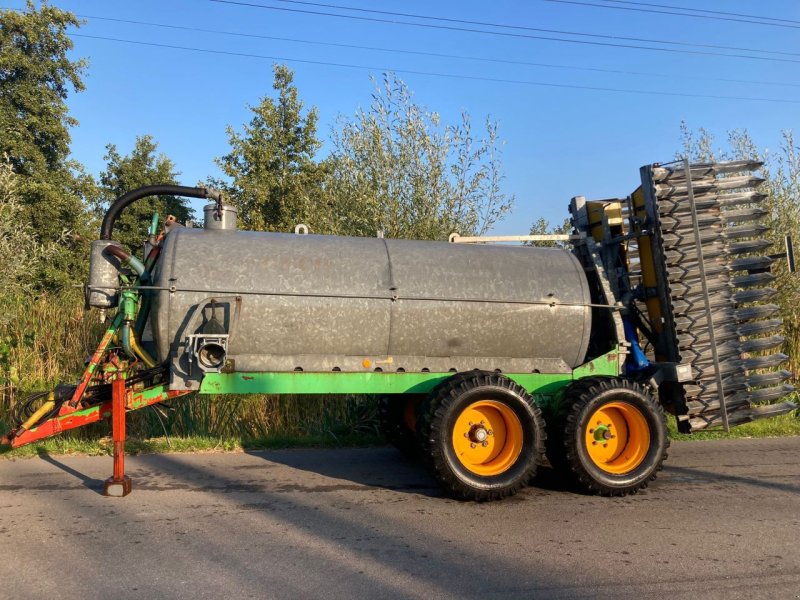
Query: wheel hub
{"type": "Point", "coordinates": [602, 433]}
{"type": "Point", "coordinates": [487, 437]}
{"type": "Point", "coordinates": [617, 437]}
{"type": "Point", "coordinates": [478, 434]}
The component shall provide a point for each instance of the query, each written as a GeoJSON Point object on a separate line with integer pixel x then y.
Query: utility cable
{"type": "Point", "coordinates": [705, 10]}
{"type": "Point", "coordinates": [446, 19]}
{"type": "Point", "coordinates": [519, 35]}
{"type": "Point", "coordinates": [439, 74]}
{"type": "Point", "coordinates": [435, 54]}
{"type": "Point", "coordinates": [715, 17]}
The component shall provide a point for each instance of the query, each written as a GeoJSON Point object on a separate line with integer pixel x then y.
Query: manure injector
{"type": "Point", "coordinates": [487, 356]}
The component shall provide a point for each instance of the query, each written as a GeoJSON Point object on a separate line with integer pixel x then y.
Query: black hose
{"type": "Point", "coordinates": [120, 203]}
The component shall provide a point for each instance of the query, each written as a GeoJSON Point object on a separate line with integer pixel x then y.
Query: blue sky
{"type": "Point", "coordinates": [559, 142]}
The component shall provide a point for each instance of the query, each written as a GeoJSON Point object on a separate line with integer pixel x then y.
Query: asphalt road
{"type": "Point", "coordinates": [722, 521]}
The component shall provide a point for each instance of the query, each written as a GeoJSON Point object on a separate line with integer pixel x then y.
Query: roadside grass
{"type": "Point", "coordinates": [782, 426]}
{"type": "Point", "coordinates": [75, 446]}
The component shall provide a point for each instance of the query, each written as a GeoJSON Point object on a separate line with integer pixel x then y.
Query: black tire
{"type": "Point", "coordinates": [635, 459]}
{"type": "Point", "coordinates": [556, 417]}
{"type": "Point", "coordinates": [511, 456]}
{"type": "Point", "coordinates": [394, 422]}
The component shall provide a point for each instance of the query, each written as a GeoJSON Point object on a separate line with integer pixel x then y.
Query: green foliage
{"type": "Point", "coordinates": [542, 227]}
{"type": "Point", "coordinates": [68, 444]}
{"type": "Point", "coordinates": [21, 253]}
{"type": "Point", "coordinates": [259, 417]}
{"type": "Point", "coordinates": [393, 168]}
{"type": "Point", "coordinates": [126, 173]}
{"type": "Point", "coordinates": [36, 76]}
{"type": "Point", "coordinates": [780, 426]}
{"type": "Point", "coordinates": [44, 339]}
{"type": "Point", "coordinates": [396, 168]}
{"type": "Point", "coordinates": [273, 176]}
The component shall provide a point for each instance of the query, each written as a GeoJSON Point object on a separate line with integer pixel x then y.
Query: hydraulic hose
{"type": "Point", "coordinates": [120, 203]}
{"type": "Point", "coordinates": [145, 357]}
{"type": "Point", "coordinates": [132, 348]}
{"type": "Point", "coordinates": [147, 295]}
{"type": "Point", "coordinates": [125, 339]}
{"type": "Point", "coordinates": [133, 262]}
{"type": "Point", "coordinates": [130, 343]}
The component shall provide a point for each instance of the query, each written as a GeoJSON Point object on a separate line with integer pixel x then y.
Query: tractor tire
{"type": "Point", "coordinates": [482, 435]}
{"type": "Point", "coordinates": [398, 422]}
{"type": "Point", "coordinates": [614, 437]}
{"type": "Point", "coordinates": [556, 418]}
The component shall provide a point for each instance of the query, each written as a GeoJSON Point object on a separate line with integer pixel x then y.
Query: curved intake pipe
{"type": "Point", "coordinates": [126, 258]}
{"type": "Point", "coordinates": [120, 203]}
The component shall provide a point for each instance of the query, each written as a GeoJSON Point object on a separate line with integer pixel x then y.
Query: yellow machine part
{"type": "Point", "coordinates": [647, 265]}
{"type": "Point", "coordinates": [42, 411]}
{"type": "Point", "coordinates": [611, 210]}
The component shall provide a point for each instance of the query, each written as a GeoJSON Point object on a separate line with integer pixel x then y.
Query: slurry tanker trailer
{"type": "Point", "coordinates": [487, 356]}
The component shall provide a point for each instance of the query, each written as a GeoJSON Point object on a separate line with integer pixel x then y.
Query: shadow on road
{"type": "Point", "coordinates": [383, 468]}
{"type": "Point", "coordinates": [388, 469]}
{"type": "Point", "coordinates": [96, 485]}
{"type": "Point", "coordinates": [321, 514]}
{"type": "Point", "coordinates": [701, 474]}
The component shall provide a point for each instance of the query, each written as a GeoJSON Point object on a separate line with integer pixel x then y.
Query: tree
{"type": "Point", "coordinates": [273, 176]}
{"type": "Point", "coordinates": [395, 167]}
{"type": "Point", "coordinates": [143, 166]}
{"type": "Point", "coordinates": [36, 76]}
{"type": "Point", "coordinates": [542, 227]}
{"type": "Point", "coordinates": [21, 254]}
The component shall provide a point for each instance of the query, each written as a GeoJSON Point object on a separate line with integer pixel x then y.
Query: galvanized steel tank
{"type": "Point", "coordinates": [322, 303]}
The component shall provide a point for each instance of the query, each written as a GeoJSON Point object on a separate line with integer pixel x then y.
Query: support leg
{"type": "Point", "coordinates": [119, 484]}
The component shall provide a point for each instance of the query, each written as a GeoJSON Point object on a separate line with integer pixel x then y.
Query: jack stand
{"type": "Point", "coordinates": [119, 484]}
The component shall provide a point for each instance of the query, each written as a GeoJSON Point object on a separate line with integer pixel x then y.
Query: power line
{"type": "Point", "coordinates": [703, 10]}
{"type": "Point", "coordinates": [716, 17]}
{"type": "Point", "coordinates": [395, 21]}
{"type": "Point", "coordinates": [433, 54]}
{"type": "Point", "coordinates": [439, 74]}
{"type": "Point", "coordinates": [453, 20]}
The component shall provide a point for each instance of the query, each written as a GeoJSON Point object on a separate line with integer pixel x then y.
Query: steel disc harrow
{"type": "Point", "coordinates": [726, 328]}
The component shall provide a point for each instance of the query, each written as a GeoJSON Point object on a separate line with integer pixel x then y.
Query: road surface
{"type": "Point", "coordinates": [722, 521]}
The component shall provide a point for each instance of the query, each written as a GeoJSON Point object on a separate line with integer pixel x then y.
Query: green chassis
{"type": "Point", "coordinates": [542, 385]}
{"type": "Point", "coordinates": [545, 387]}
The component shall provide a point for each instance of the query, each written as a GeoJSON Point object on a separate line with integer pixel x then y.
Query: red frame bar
{"type": "Point", "coordinates": [118, 394]}
{"type": "Point", "coordinates": [78, 418]}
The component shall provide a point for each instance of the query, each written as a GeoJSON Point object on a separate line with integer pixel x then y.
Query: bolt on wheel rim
{"type": "Point", "coordinates": [487, 437]}
{"type": "Point", "coordinates": [617, 437]}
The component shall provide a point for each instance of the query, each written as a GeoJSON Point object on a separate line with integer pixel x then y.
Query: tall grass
{"type": "Point", "coordinates": [45, 339]}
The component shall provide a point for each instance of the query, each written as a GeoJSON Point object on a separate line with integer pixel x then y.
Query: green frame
{"type": "Point", "coordinates": [371, 382]}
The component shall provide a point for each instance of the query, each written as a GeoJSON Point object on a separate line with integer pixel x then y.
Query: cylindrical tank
{"type": "Point", "coordinates": [321, 303]}
{"type": "Point", "coordinates": [102, 288]}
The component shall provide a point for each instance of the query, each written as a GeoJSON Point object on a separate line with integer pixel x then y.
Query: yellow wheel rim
{"type": "Point", "coordinates": [617, 437]}
{"type": "Point", "coordinates": [487, 437]}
